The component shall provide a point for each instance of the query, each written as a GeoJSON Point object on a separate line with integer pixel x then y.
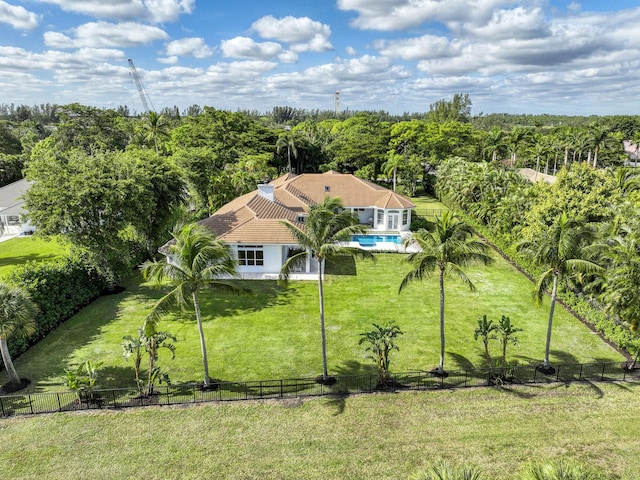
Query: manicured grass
{"type": "Point", "coordinates": [20, 250]}
{"type": "Point", "coordinates": [274, 333]}
{"type": "Point", "coordinates": [385, 436]}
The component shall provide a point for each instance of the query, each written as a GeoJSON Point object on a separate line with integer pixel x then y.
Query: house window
{"type": "Point", "coordinates": [380, 219]}
{"type": "Point", "coordinates": [250, 255]}
{"type": "Point", "coordinates": [327, 188]}
{"type": "Point", "coordinates": [405, 217]}
{"type": "Point", "coordinates": [301, 218]}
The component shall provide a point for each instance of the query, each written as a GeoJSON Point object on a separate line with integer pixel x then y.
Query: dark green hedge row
{"type": "Point", "coordinates": [60, 288]}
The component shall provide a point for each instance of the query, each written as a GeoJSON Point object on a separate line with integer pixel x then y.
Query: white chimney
{"type": "Point", "coordinates": [266, 191]}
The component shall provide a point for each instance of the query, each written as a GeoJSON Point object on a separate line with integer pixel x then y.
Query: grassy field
{"type": "Point", "coordinates": [384, 436]}
{"type": "Point", "coordinates": [20, 250]}
{"type": "Point", "coordinates": [274, 333]}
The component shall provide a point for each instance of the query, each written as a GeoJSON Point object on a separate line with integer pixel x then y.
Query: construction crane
{"type": "Point", "coordinates": [146, 101]}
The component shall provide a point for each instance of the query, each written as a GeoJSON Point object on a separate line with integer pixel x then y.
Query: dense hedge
{"type": "Point", "coordinates": [60, 288]}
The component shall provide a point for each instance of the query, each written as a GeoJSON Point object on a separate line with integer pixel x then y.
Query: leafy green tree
{"type": "Point", "coordinates": [326, 225]}
{"type": "Point", "coordinates": [195, 260]}
{"type": "Point", "coordinates": [560, 250]}
{"type": "Point", "coordinates": [485, 330]}
{"type": "Point", "coordinates": [448, 249]}
{"type": "Point", "coordinates": [381, 342]}
{"type": "Point", "coordinates": [458, 109]}
{"type": "Point", "coordinates": [17, 318]}
{"type": "Point", "coordinates": [117, 206]}
{"type": "Point", "coordinates": [506, 334]}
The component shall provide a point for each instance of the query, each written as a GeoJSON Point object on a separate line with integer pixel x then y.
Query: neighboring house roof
{"type": "Point", "coordinates": [256, 219]}
{"type": "Point", "coordinates": [11, 202]}
{"type": "Point", "coordinates": [534, 176]}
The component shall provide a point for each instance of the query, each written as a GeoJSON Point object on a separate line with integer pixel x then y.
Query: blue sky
{"type": "Point", "coordinates": [537, 56]}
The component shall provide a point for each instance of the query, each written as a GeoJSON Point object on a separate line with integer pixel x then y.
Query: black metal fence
{"type": "Point", "coordinates": [35, 403]}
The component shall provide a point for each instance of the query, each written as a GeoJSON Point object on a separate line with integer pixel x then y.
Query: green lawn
{"type": "Point", "coordinates": [274, 333]}
{"type": "Point", "coordinates": [383, 436]}
{"type": "Point", "coordinates": [20, 250]}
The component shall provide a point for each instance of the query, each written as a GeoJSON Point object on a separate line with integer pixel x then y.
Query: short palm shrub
{"type": "Point", "coordinates": [560, 470]}
{"type": "Point", "coordinates": [445, 471]}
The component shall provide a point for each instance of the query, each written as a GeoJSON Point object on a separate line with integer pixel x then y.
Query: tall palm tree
{"type": "Point", "coordinates": [156, 128]}
{"type": "Point", "coordinates": [448, 249]}
{"type": "Point", "coordinates": [391, 166]}
{"type": "Point", "coordinates": [17, 317]}
{"type": "Point", "coordinates": [289, 141]}
{"type": "Point", "coordinates": [196, 260]}
{"type": "Point", "coordinates": [559, 249]}
{"type": "Point", "coordinates": [326, 225]}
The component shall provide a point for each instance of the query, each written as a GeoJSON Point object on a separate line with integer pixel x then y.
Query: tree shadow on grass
{"type": "Point", "coordinates": [461, 362]}
{"type": "Point", "coordinates": [341, 265]}
{"type": "Point", "coordinates": [262, 294]}
{"type": "Point", "coordinates": [20, 259]}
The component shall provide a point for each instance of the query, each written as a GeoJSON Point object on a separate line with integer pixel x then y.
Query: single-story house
{"type": "Point", "coordinates": [12, 209]}
{"type": "Point", "coordinates": [252, 224]}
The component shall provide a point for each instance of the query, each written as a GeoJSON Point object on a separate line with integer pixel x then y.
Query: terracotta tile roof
{"type": "Point", "coordinates": [254, 219]}
{"type": "Point", "coordinates": [354, 191]}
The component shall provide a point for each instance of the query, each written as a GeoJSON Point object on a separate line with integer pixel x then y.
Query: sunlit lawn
{"type": "Point", "coordinates": [274, 333]}
{"type": "Point", "coordinates": [383, 436]}
{"type": "Point", "coordinates": [20, 250]}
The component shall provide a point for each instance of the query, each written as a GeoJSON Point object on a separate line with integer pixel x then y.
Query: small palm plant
{"type": "Point", "coordinates": [485, 331]}
{"type": "Point", "coordinates": [446, 471]}
{"type": "Point", "coordinates": [561, 470]}
{"type": "Point", "coordinates": [506, 335]}
{"type": "Point", "coordinates": [381, 342]}
{"type": "Point", "coordinates": [149, 341]}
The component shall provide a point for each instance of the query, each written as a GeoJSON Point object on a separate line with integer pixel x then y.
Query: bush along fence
{"type": "Point", "coordinates": [35, 403]}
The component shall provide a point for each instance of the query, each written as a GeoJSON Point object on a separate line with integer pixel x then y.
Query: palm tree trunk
{"type": "Point", "coordinates": [203, 346]}
{"type": "Point", "coordinates": [441, 365]}
{"type": "Point", "coordinates": [8, 364]}
{"type": "Point", "coordinates": [325, 372]}
{"type": "Point", "coordinates": [395, 170]}
{"type": "Point", "coordinates": [554, 293]}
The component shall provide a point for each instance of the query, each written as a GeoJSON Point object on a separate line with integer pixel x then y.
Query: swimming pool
{"type": "Point", "coordinates": [372, 240]}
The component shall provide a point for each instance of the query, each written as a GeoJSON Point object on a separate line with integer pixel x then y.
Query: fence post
{"type": "Point", "coordinates": [535, 373]}
{"type": "Point", "coordinates": [466, 374]}
{"type": "Point", "coordinates": [580, 377]}
{"type": "Point", "coordinates": [31, 405]}
{"type": "Point", "coordinates": [2, 407]}
{"type": "Point", "coordinates": [59, 404]}
{"type": "Point", "coordinates": [603, 367]}
{"type": "Point", "coordinates": [281, 388]}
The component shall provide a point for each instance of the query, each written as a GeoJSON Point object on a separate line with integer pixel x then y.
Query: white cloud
{"type": "Point", "coordinates": [156, 11]}
{"type": "Point", "coordinates": [18, 17]}
{"type": "Point", "coordinates": [245, 47]}
{"type": "Point", "coordinates": [426, 46]}
{"type": "Point", "coordinates": [104, 34]}
{"type": "Point", "coordinates": [388, 15]}
{"type": "Point", "coordinates": [168, 60]}
{"type": "Point", "coordinates": [515, 23]}
{"type": "Point", "coordinates": [351, 51]}
{"type": "Point", "coordinates": [301, 33]}
{"type": "Point", "coordinates": [189, 47]}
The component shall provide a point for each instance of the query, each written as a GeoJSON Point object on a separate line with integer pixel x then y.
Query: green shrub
{"type": "Point", "coordinates": [60, 288]}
